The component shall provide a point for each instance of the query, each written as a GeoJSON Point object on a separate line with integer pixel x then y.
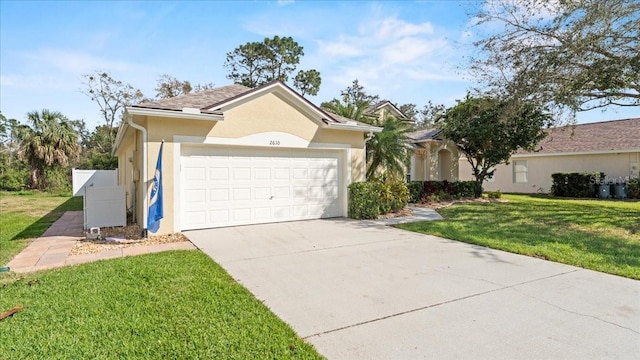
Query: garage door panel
{"type": "Point", "coordinates": [218, 174]}
{"type": "Point", "coordinates": [226, 187]}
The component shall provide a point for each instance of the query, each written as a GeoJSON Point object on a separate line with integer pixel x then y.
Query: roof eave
{"type": "Point", "coordinates": [349, 127]}
{"type": "Point", "coordinates": [175, 114]}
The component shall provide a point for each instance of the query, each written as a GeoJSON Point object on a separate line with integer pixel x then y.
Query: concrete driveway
{"type": "Point", "coordinates": [358, 291]}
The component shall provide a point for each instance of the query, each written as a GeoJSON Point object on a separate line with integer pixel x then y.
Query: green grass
{"type": "Point", "coordinates": [172, 305]}
{"type": "Point", "coordinates": [593, 234]}
{"type": "Point", "coordinates": [26, 215]}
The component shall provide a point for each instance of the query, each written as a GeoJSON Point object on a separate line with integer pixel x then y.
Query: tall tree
{"type": "Point", "coordinates": [354, 103]}
{"type": "Point", "coordinates": [409, 110]}
{"type": "Point", "coordinates": [48, 141]}
{"type": "Point", "coordinates": [488, 131]}
{"type": "Point", "coordinates": [577, 55]}
{"type": "Point", "coordinates": [429, 114]}
{"type": "Point", "coordinates": [307, 82]}
{"type": "Point", "coordinates": [257, 63]}
{"type": "Point", "coordinates": [112, 96]}
{"type": "Point", "coordinates": [389, 152]}
{"type": "Point", "coordinates": [168, 86]}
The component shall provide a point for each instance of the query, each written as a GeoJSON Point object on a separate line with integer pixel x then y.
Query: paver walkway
{"type": "Point", "coordinates": [53, 248]}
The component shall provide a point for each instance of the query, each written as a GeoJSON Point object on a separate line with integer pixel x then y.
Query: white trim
{"type": "Point", "coordinates": [602, 152]}
{"type": "Point", "coordinates": [173, 114]}
{"type": "Point", "coordinates": [351, 127]}
{"type": "Point", "coordinates": [177, 187]}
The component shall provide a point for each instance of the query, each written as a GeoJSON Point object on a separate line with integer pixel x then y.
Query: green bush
{"type": "Point", "coordinates": [14, 180]}
{"type": "Point", "coordinates": [370, 199]}
{"type": "Point", "coordinates": [400, 195]}
{"type": "Point", "coordinates": [415, 191]}
{"type": "Point", "coordinates": [577, 185]}
{"type": "Point", "coordinates": [633, 188]}
{"type": "Point", "coordinates": [434, 191]}
{"type": "Point", "coordinates": [494, 194]}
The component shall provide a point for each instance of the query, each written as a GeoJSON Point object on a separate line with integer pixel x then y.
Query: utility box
{"type": "Point", "coordinates": [620, 191]}
{"type": "Point", "coordinates": [604, 191]}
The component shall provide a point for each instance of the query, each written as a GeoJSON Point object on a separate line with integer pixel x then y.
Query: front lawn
{"type": "Point", "coordinates": [26, 215]}
{"type": "Point", "coordinates": [593, 234]}
{"type": "Point", "coordinates": [171, 305]}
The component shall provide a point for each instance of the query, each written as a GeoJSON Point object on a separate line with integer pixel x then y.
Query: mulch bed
{"type": "Point", "coordinates": [122, 237]}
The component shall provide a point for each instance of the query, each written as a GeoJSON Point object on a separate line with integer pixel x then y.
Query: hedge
{"type": "Point", "coordinates": [576, 184]}
{"type": "Point", "coordinates": [425, 191]}
{"type": "Point", "coordinates": [370, 199]}
{"type": "Point", "coordinates": [633, 188]}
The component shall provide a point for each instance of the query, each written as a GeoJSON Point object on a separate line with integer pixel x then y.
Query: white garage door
{"type": "Point", "coordinates": [223, 187]}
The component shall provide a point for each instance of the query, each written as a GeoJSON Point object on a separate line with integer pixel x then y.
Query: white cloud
{"type": "Point", "coordinates": [394, 28]}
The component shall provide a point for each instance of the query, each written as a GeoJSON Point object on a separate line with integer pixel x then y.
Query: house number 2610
{"type": "Point", "coordinates": [274, 142]}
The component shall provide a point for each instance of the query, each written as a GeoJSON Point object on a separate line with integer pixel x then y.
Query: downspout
{"type": "Point", "coordinates": [143, 182]}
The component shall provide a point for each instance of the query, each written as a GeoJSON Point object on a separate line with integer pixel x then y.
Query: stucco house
{"type": "Point", "coordinates": [612, 147]}
{"type": "Point", "coordinates": [235, 155]}
{"type": "Point", "coordinates": [434, 158]}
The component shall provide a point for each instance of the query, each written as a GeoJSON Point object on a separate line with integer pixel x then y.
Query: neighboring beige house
{"type": "Point", "coordinates": [385, 108]}
{"type": "Point", "coordinates": [434, 158]}
{"type": "Point", "coordinates": [235, 155]}
{"type": "Point", "coordinates": [612, 147]}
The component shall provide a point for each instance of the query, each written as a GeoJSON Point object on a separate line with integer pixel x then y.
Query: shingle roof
{"type": "Point", "coordinates": [600, 136]}
{"type": "Point", "coordinates": [424, 135]}
{"type": "Point", "coordinates": [374, 107]}
{"type": "Point", "coordinates": [202, 100]}
{"type": "Point", "coordinates": [209, 101]}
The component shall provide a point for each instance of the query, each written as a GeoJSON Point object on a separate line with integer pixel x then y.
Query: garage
{"type": "Point", "coordinates": [240, 186]}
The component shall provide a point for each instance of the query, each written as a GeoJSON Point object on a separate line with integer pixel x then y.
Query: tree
{"type": "Point", "coordinates": [576, 55]}
{"type": "Point", "coordinates": [389, 151]}
{"type": "Point", "coordinates": [49, 142]}
{"type": "Point", "coordinates": [257, 63]}
{"type": "Point", "coordinates": [168, 86]}
{"type": "Point", "coordinates": [409, 110]}
{"type": "Point", "coordinates": [307, 82]}
{"type": "Point", "coordinates": [112, 96]}
{"type": "Point", "coordinates": [429, 115]}
{"type": "Point", "coordinates": [354, 104]}
{"type": "Point", "coordinates": [488, 131]}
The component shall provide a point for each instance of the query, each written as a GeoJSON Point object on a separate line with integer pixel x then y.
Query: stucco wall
{"type": "Point", "coordinates": [427, 163]}
{"type": "Point", "coordinates": [268, 113]}
{"type": "Point", "coordinates": [540, 168]}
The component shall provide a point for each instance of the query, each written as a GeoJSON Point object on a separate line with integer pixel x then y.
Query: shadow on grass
{"type": "Point", "coordinates": [41, 225]}
{"type": "Point", "coordinates": [584, 234]}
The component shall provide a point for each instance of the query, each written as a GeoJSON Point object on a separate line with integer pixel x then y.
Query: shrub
{"type": "Point", "coordinates": [415, 191]}
{"type": "Point", "coordinates": [400, 195]}
{"type": "Point", "coordinates": [364, 200]}
{"type": "Point", "coordinates": [579, 185]}
{"type": "Point", "coordinates": [434, 191]}
{"type": "Point", "coordinates": [633, 188]}
{"type": "Point", "coordinates": [369, 199]}
{"type": "Point", "coordinates": [494, 194]}
{"type": "Point", "coordinates": [14, 180]}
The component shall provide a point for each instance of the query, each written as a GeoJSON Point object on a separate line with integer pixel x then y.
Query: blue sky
{"type": "Point", "coordinates": [404, 51]}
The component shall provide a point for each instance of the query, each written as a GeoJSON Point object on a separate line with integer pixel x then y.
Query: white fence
{"type": "Point", "coordinates": [84, 178]}
{"type": "Point", "coordinates": [104, 202]}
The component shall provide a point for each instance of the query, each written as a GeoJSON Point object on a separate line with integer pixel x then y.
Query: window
{"type": "Point", "coordinates": [520, 171]}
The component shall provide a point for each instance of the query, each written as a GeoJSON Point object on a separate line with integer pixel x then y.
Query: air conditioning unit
{"type": "Point", "coordinates": [620, 191]}
{"type": "Point", "coordinates": [603, 191]}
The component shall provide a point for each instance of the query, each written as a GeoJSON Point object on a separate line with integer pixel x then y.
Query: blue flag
{"type": "Point", "coordinates": [155, 203]}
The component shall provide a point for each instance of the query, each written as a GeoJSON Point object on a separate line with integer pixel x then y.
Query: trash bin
{"type": "Point", "coordinates": [620, 191]}
{"type": "Point", "coordinates": [604, 191]}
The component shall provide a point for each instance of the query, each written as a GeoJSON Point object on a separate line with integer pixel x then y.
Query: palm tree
{"type": "Point", "coordinates": [50, 141]}
{"type": "Point", "coordinates": [389, 151]}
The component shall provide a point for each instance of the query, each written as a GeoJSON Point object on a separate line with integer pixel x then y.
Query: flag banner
{"type": "Point", "coordinates": [155, 203]}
